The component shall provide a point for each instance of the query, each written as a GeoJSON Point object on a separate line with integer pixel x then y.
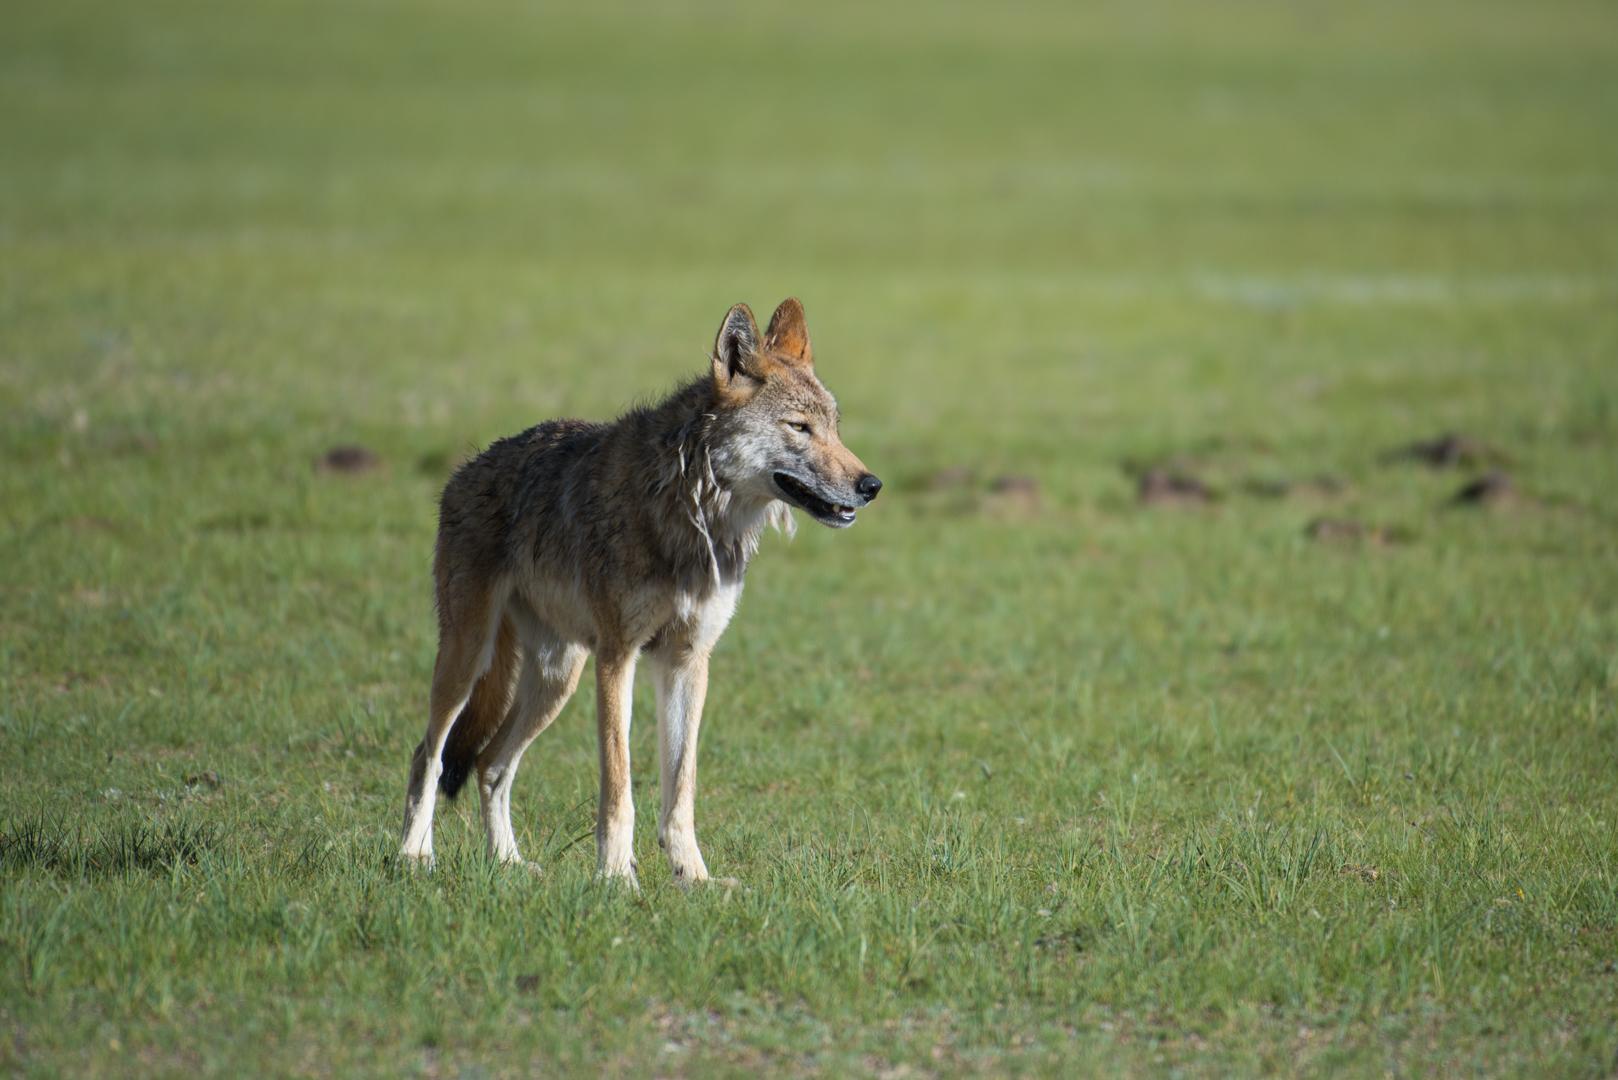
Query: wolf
{"type": "Point", "coordinates": [622, 540]}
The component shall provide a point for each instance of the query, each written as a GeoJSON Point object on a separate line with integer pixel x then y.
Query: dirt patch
{"type": "Point", "coordinates": [348, 459]}
{"type": "Point", "coordinates": [1493, 488]}
{"type": "Point", "coordinates": [953, 478]}
{"type": "Point", "coordinates": [1326, 530]}
{"type": "Point", "coordinates": [207, 779]}
{"type": "Point", "coordinates": [1447, 451]}
{"type": "Point", "coordinates": [1319, 486]}
{"type": "Point", "coordinates": [1165, 486]}
{"type": "Point", "coordinates": [957, 489]}
{"type": "Point", "coordinates": [1013, 495]}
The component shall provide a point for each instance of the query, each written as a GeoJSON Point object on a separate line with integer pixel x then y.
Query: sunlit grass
{"type": "Point", "coordinates": [1047, 780]}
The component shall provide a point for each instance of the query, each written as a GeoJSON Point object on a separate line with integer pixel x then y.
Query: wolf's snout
{"type": "Point", "coordinates": [868, 485]}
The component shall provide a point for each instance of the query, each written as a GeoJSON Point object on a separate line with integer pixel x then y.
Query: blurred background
{"type": "Point", "coordinates": [1050, 231]}
{"type": "Point", "coordinates": [1045, 250]}
{"type": "Point", "coordinates": [1243, 378]}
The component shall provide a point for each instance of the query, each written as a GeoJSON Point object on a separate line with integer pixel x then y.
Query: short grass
{"type": "Point", "coordinates": [1084, 785]}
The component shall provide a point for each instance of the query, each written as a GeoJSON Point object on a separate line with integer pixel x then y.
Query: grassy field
{"type": "Point", "coordinates": [1044, 781]}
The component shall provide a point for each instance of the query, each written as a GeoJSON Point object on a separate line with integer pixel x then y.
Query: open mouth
{"type": "Point", "coordinates": [797, 492]}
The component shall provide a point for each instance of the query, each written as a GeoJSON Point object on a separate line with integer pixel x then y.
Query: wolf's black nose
{"type": "Point", "coordinates": [868, 486]}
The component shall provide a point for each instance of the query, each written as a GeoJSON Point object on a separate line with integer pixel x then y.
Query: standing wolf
{"type": "Point", "coordinates": [619, 539]}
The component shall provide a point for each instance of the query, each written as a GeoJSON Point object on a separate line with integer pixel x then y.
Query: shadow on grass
{"type": "Point", "coordinates": [112, 851]}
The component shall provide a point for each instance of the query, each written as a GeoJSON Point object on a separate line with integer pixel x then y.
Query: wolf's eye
{"type": "Point", "coordinates": [798, 426]}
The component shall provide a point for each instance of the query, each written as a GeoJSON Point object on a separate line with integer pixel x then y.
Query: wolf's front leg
{"type": "Point", "coordinates": [682, 683]}
{"type": "Point", "coordinates": [615, 819]}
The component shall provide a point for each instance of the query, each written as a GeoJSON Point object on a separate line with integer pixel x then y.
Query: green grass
{"type": "Point", "coordinates": [1092, 786]}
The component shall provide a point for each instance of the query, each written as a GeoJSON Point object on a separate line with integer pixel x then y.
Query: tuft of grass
{"type": "Point", "coordinates": [117, 849]}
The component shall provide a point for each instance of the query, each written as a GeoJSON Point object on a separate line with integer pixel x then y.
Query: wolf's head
{"type": "Point", "coordinates": [777, 423]}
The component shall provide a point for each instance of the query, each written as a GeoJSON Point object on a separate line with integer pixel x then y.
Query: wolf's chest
{"type": "Point", "coordinates": [693, 619]}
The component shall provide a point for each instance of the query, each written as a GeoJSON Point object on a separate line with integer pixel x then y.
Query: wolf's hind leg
{"type": "Point", "coordinates": [465, 648]}
{"type": "Point", "coordinates": [548, 680]}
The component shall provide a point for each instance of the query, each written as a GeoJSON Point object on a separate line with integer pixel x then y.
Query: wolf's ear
{"type": "Point", "coordinates": [789, 333]}
{"type": "Point", "coordinates": [735, 352]}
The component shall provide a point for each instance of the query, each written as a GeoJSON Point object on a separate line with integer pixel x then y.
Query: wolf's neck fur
{"type": "Point", "coordinates": [711, 530]}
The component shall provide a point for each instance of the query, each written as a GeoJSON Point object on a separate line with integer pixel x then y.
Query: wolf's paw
{"type": "Point", "coordinates": [622, 874]}
{"type": "Point", "coordinates": [709, 884]}
{"type": "Point", "coordinates": [689, 878]}
{"type": "Point", "coordinates": [419, 861]}
{"type": "Point", "coordinates": [685, 859]}
{"type": "Point", "coordinates": [527, 866]}
{"type": "Point", "coordinates": [628, 880]}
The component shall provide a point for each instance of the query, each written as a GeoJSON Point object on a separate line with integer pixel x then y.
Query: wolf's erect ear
{"type": "Point", "coordinates": [789, 333]}
{"type": "Point", "coordinates": [735, 352]}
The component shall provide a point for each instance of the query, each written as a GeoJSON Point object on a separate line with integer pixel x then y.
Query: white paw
{"type": "Point", "coordinates": [417, 860]}
{"type": "Point", "coordinates": [685, 860]}
{"type": "Point", "coordinates": [615, 854]}
{"type": "Point", "coordinates": [691, 883]}
{"type": "Point", "coordinates": [619, 875]}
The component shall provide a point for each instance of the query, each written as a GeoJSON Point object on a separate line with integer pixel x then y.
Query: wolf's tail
{"type": "Point", "coordinates": [482, 714]}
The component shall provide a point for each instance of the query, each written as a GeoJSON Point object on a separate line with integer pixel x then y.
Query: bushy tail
{"type": "Point", "coordinates": [483, 713]}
